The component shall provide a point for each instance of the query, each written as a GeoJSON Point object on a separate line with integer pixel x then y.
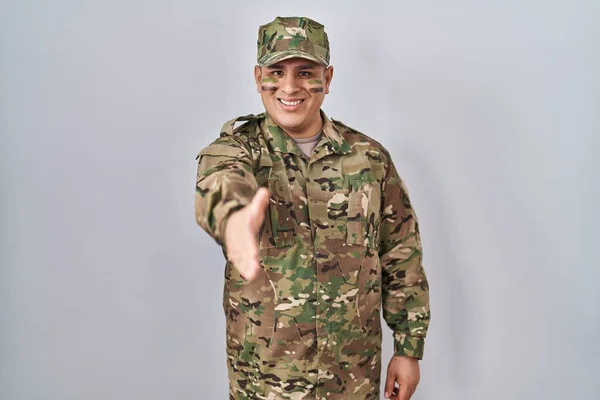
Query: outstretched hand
{"type": "Point", "coordinates": [404, 371]}
{"type": "Point", "coordinates": [241, 235]}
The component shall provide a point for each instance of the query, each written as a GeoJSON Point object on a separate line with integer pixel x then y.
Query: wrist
{"type": "Point", "coordinates": [225, 224]}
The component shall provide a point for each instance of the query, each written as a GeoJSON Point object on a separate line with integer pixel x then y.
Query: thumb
{"type": "Point", "coordinates": [258, 205]}
{"type": "Point", "coordinates": [390, 381]}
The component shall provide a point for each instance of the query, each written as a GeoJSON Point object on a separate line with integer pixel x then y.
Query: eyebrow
{"type": "Point", "coordinates": [280, 66]}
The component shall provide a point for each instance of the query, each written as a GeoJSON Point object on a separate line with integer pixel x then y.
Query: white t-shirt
{"type": "Point", "coordinates": [308, 144]}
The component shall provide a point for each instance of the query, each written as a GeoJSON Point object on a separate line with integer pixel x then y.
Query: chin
{"type": "Point", "coordinates": [289, 122]}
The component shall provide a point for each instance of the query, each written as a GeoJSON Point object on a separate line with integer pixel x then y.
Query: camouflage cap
{"type": "Point", "coordinates": [288, 37]}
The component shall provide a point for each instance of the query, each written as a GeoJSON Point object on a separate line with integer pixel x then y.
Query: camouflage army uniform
{"type": "Point", "coordinates": [340, 239]}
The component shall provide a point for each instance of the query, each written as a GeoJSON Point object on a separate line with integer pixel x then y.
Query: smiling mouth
{"type": "Point", "coordinates": [292, 103]}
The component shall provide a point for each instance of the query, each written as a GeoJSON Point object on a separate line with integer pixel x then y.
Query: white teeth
{"type": "Point", "coordinates": [290, 103]}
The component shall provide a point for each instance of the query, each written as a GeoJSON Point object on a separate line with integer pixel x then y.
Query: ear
{"type": "Point", "coordinates": [328, 78]}
{"type": "Point", "coordinates": [257, 77]}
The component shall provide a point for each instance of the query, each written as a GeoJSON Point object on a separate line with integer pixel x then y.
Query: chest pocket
{"type": "Point", "coordinates": [364, 204]}
{"type": "Point", "coordinates": [278, 229]}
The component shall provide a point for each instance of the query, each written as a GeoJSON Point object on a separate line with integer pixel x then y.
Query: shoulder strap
{"type": "Point", "coordinates": [229, 126]}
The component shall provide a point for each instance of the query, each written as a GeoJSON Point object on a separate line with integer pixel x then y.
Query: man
{"type": "Point", "coordinates": [318, 232]}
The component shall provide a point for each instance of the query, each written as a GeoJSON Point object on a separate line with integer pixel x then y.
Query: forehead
{"type": "Point", "coordinates": [295, 63]}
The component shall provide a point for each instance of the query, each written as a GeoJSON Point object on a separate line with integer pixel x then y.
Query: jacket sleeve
{"type": "Point", "coordinates": [405, 290]}
{"type": "Point", "coordinates": [224, 183]}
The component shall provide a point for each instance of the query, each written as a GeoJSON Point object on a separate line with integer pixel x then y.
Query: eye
{"type": "Point", "coordinates": [304, 74]}
{"type": "Point", "coordinates": [277, 73]}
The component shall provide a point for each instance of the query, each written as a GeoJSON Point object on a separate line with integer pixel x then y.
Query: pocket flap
{"type": "Point", "coordinates": [265, 161]}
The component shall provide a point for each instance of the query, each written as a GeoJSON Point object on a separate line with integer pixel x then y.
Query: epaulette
{"type": "Point", "coordinates": [335, 121]}
{"type": "Point", "coordinates": [380, 147]}
{"type": "Point", "coordinates": [229, 126]}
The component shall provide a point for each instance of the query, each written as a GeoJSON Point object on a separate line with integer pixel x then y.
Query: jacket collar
{"type": "Point", "coordinates": [332, 142]}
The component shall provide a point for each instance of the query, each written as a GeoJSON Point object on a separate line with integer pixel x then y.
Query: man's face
{"type": "Point", "coordinates": [292, 92]}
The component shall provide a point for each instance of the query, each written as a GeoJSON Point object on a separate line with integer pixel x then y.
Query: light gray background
{"type": "Point", "coordinates": [108, 289]}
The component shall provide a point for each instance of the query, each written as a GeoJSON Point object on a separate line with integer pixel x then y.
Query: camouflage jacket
{"type": "Point", "coordinates": [340, 240]}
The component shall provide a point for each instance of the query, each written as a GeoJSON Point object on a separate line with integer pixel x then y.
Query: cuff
{"type": "Point", "coordinates": [229, 209]}
{"type": "Point", "coordinates": [410, 346]}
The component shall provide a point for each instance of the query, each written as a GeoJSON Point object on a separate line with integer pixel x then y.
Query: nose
{"type": "Point", "coordinates": [288, 84]}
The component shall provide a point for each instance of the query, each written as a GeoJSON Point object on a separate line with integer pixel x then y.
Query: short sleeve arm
{"type": "Point", "coordinates": [405, 290]}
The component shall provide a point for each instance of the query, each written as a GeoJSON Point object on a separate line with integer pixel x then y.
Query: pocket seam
{"type": "Point", "coordinates": [357, 189]}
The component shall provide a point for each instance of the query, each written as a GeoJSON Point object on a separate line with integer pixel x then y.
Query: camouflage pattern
{"type": "Point", "coordinates": [339, 243]}
{"type": "Point", "coordinates": [287, 37]}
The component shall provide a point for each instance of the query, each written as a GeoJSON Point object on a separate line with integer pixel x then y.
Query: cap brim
{"type": "Point", "coordinates": [285, 55]}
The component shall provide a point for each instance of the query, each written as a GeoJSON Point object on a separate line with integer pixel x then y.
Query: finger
{"type": "Point", "coordinates": [250, 268]}
{"type": "Point", "coordinates": [404, 392]}
{"type": "Point", "coordinates": [253, 268]}
{"type": "Point", "coordinates": [390, 380]}
{"type": "Point", "coordinates": [246, 254]}
{"type": "Point", "coordinates": [264, 194]}
{"type": "Point", "coordinates": [242, 266]}
{"type": "Point", "coordinates": [263, 207]}
{"type": "Point", "coordinates": [258, 205]}
{"type": "Point", "coordinates": [413, 390]}
{"type": "Point", "coordinates": [252, 259]}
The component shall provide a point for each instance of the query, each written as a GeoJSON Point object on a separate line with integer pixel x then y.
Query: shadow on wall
{"type": "Point", "coordinates": [447, 288]}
